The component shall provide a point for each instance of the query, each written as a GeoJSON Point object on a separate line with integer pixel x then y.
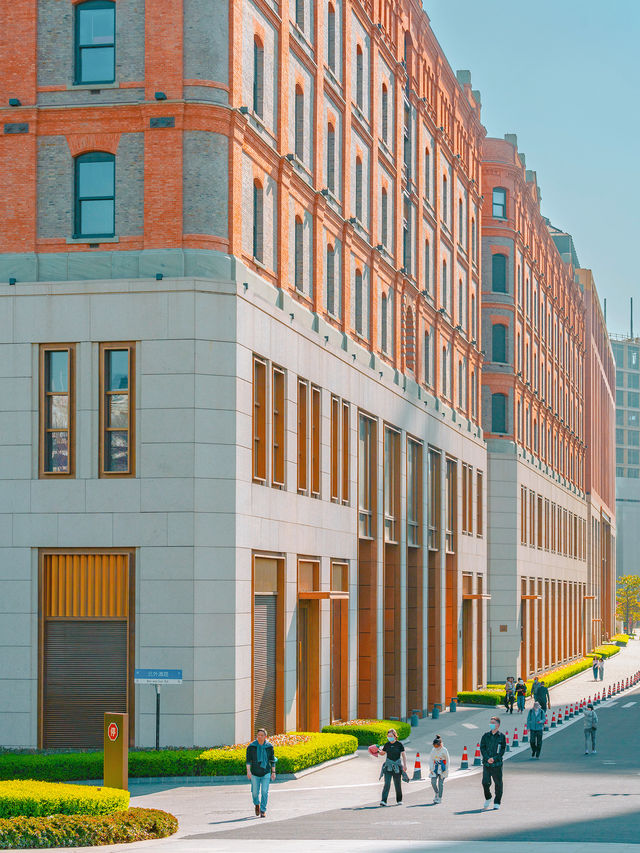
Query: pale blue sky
{"type": "Point", "coordinates": [565, 76]}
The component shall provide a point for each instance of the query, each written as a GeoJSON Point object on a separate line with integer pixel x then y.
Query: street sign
{"type": "Point", "coordinates": [158, 676]}
{"type": "Point", "coordinates": [113, 731]}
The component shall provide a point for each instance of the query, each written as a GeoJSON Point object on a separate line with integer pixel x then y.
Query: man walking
{"type": "Point", "coordinates": [590, 726]}
{"type": "Point", "coordinates": [493, 745]}
{"type": "Point", "coordinates": [542, 696]}
{"type": "Point", "coordinates": [535, 724]}
{"type": "Point", "coordinates": [260, 758]}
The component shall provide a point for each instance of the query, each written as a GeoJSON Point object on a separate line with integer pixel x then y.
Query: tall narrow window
{"type": "Point", "coordinates": [474, 241]}
{"type": "Point", "coordinates": [278, 426]}
{"type": "Point", "coordinates": [95, 38]}
{"type": "Point", "coordinates": [336, 432]}
{"type": "Point", "coordinates": [435, 492]}
{"type": "Point", "coordinates": [406, 238]}
{"type": "Point", "coordinates": [258, 77]}
{"type": "Point", "coordinates": [300, 13]}
{"type": "Point", "coordinates": [445, 388]}
{"type": "Point", "coordinates": [346, 467]}
{"type": "Point", "coordinates": [414, 492]}
{"type": "Point", "coordinates": [57, 401]}
{"type": "Point", "coordinates": [259, 424]}
{"type": "Point", "coordinates": [331, 158]}
{"type": "Point", "coordinates": [299, 255]}
{"type": "Point", "coordinates": [384, 112]}
{"type": "Point", "coordinates": [358, 303]}
{"type": "Point", "coordinates": [499, 343]}
{"type": "Point", "coordinates": [445, 199]}
{"type": "Point", "coordinates": [474, 321]}
{"type": "Point", "coordinates": [258, 222]}
{"type": "Point", "coordinates": [499, 273]}
{"type": "Point", "coordinates": [366, 476]}
{"type": "Point", "coordinates": [384, 214]}
{"type": "Point", "coordinates": [383, 322]}
{"type": "Point", "coordinates": [95, 175]}
{"type": "Point", "coordinates": [331, 280]}
{"type": "Point", "coordinates": [315, 440]}
{"type": "Point", "coordinates": [359, 78]}
{"type": "Point", "coordinates": [479, 504]}
{"type": "Point", "coordinates": [391, 484]}
{"type": "Point", "coordinates": [427, 266]}
{"type": "Point", "coordinates": [299, 121]}
{"type": "Point", "coordinates": [461, 239]}
{"type": "Point", "coordinates": [461, 312]}
{"type": "Point", "coordinates": [498, 413]}
{"type": "Point", "coordinates": [427, 173]}
{"type": "Point", "coordinates": [407, 140]}
{"type": "Point", "coordinates": [499, 203]}
{"type": "Point", "coordinates": [303, 453]}
{"type": "Point", "coordinates": [359, 189]}
{"type": "Point", "coordinates": [427, 358]}
{"type": "Point", "coordinates": [331, 38]}
{"type": "Point", "coordinates": [445, 288]}
{"type": "Point", "coordinates": [117, 409]}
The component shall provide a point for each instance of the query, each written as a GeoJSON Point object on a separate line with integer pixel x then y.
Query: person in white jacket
{"type": "Point", "coordinates": [590, 726]}
{"type": "Point", "coordinates": [438, 768]}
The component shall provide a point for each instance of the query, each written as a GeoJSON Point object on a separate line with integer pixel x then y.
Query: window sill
{"type": "Point", "coordinates": [80, 86]}
{"type": "Point", "coordinates": [73, 240]}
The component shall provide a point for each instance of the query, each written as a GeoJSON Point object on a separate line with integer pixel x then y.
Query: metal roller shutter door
{"type": "Point", "coordinates": [85, 674]}
{"type": "Point", "coordinates": [264, 663]}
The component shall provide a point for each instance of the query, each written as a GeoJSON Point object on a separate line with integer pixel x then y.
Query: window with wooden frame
{"type": "Point", "coordinates": [532, 518]}
{"type": "Point", "coordinates": [539, 522]}
{"type": "Point", "coordinates": [335, 449]}
{"type": "Point", "coordinates": [553, 528]}
{"type": "Point", "coordinates": [366, 476]}
{"type": "Point", "coordinates": [258, 222]}
{"type": "Point", "coordinates": [278, 426]}
{"type": "Point", "coordinates": [259, 420]}
{"type": "Point", "coordinates": [391, 484]}
{"type": "Point", "coordinates": [464, 498]}
{"type": "Point", "coordinates": [451, 506]}
{"type": "Point", "coordinates": [434, 499]}
{"type": "Point", "coordinates": [57, 410]}
{"type": "Point", "coordinates": [258, 77]}
{"type": "Point", "coordinates": [346, 466]}
{"type": "Point", "coordinates": [479, 504]}
{"type": "Point", "coordinates": [303, 452]}
{"type": "Point", "coordinates": [117, 410]}
{"type": "Point", "coordinates": [546, 524]}
{"type": "Point", "coordinates": [414, 492]}
{"type": "Point", "coordinates": [523, 515]}
{"type": "Point", "coordinates": [299, 123]}
{"type": "Point", "coordinates": [470, 500]}
{"type": "Point", "coordinates": [316, 440]}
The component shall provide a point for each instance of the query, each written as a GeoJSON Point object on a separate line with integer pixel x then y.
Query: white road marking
{"type": "Point", "coordinates": [471, 726]}
{"type": "Point", "coordinates": [628, 704]}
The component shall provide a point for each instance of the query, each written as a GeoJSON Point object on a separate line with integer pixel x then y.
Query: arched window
{"type": "Point", "coordinates": [299, 255]}
{"type": "Point", "coordinates": [406, 238]}
{"type": "Point", "coordinates": [499, 343]}
{"type": "Point", "coordinates": [460, 384]}
{"type": "Point", "coordinates": [409, 341]}
{"type": "Point", "coordinates": [331, 37]}
{"type": "Point", "coordinates": [535, 436]}
{"type": "Point", "coordinates": [300, 13]}
{"type": "Point", "coordinates": [499, 273]}
{"type": "Point", "coordinates": [445, 387]}
{"type": "Point", "coordinates": [461, 312]}
{"type": "Point", "coordinates": [358, 303]}
{"type": "Point", "coordinates": [428, 361]}
{"type": "Point", "coordinates": [461, 239]}
{"type": "Point", "coordinates": [331, 158]}
{"type": "Point", "coordinates": [474, 241]}
{"type": "Point", "coordinates": [473, 394]}
{"type": "Point", "coordinates": [384, 213]}
{"type": "Point", "coordinates": [258, 201]}
{"type": "Point", "coordinates": [445, 205]}
{"type": "Point", "coordinates": [358, 189]}
{"type": "Point", "coordinates": [359, 77]}
{"type": "Point", "coordinates": [444, 287]}
{"type": "Point", "coordinates": [427, 173]}
{"type": "Point", "coordinates": [95, 177]}
{"type": "Point", "coordinates": [385, 114]}
{"type": "Point", "coordinates": [258, 77]}
{"type": "Point", "coordinates": [499, 203]}
{"type": "Point", "coordinates": [299, 123]}
{"type": "Point", "coordinates": [383, 323]}
{"type": "Point", "coordinates": [427, 266]}
{"type": "Point", "coordinates": [498, 413]}
{"type": "Point", "coordinates": [474, 319]}
{"type": "Point", "coordinates": [95, 42]}
{"type": "Point", "coordinates": [519, 421]}
{"type": "Point", "coordinates": [331, 279]}
{"type": "Point", "coordinates": [519, 286]}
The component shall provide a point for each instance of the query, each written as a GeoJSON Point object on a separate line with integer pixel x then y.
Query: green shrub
{"type": "Point", "coordinates": [606, 650]}
{"type": "Point", "coordinates": [316, 748]}
{"type": "Point", "coordinates": [54, 768]}
{"type": "Point", "coordinates": [481, 697]}
{"type": "Point", "coordinates": [370, 731]}
{"type": "Point", "coordinates": [20, 833]}
{"type": "Point", "coordinates": [36, 799]}
{"type": "Point", "coordinates": [620, 639]}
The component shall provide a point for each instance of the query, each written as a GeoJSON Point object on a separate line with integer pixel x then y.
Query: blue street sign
{"type": "Point", "coordinates": [158, 676]}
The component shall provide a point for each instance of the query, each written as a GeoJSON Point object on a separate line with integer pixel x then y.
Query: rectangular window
{"type": "Point", "coordinates": [532, 518]}
{"type": "Point", "coordinates": [523, 515]}
{"type": "Point", "coordinates": [278, 426]}
{"type": "Point", "coordinates": [316, 435]}
{"type": "Point", "coordinates": [539, 521]}
{"type": "Point", "coordinates": [499, 203]}
{"type": "Point", "coordinates": [434, 500]}
{"type": "Point", "coordinates": [303, 452]}
{"type": "Point", "coordinates": [346, 467]}
{"type": "Point", "coordinates": [470, 500]}
{"type": "Point", "coordinates": [95, 182]}
{"type": "Point", "coordinates": [451, 486]}
{"type": "Point", "coordinates": [259, 420]}
{"type": "Point", "coordinates": [464, 498]}
{"type": "Point", "coordinates": [95, 42]}
{"type": "Point", "coordinates": [414, 491]}
{"type": "Point", "coordinates": [117, 402]}
{"type": "Point", "coordinates": [546, 524]}
{"type": "Point", "coordinates": [479, 505]}
{"type": "Point", "coordinates": [335, 449]}
{"type": "Point", "coordinates": [366, 476]}
{"type": "Point", "coordinates": [57, 403]}
{"type": "Point", "coordinates": [391, 484]}
{"type": "Point", "coordinates": [553, 528]}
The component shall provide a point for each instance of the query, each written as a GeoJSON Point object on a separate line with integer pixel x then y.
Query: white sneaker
{"type": "Point", "coordinates": [593, 752]}
{"type": "Point", "coordinates": [496, 805]}
{"type": "Point", "coordinates": [382, 803]}
{"type": "Point", "coordinates": [486, 805]}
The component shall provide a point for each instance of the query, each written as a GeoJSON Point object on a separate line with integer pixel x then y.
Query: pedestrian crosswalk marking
{"type": "Point", "coordinates": [628, 704]}
{"type": "Point", "coordinates": [471, 726]}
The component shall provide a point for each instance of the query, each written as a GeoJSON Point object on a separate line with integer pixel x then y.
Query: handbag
{"type": "Point", "coordinates": [405, 776]}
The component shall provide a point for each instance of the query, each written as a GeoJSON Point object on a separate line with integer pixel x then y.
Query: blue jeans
{"type": "Point", "coordinates": [260, 790]}
{"type": "Point", "coordinates": [521, 702]}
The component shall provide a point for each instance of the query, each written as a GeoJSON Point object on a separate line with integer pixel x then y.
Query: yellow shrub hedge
{"type": "Point", "coordinates": [33, 799]}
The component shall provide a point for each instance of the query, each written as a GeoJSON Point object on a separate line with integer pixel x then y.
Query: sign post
{"type": "Point", "coordinates": [116, 751]}
{"type": "Point", "coordinates": [158, 677]}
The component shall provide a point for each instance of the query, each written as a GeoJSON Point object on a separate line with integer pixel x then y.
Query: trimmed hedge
{"type": "Point", "coordinates": [620, 639]}
{"type": "Point", "coordinates": [368, 732]}
{"type": "Point", "coordinates": [481, 697]}
{"type": "Point", "coordinates": [21, 833]}
{"type": "Point", "coordinates": [294, 751]}
{"type": "Point", "coordinates": [607, 650]}
{"type": "Point", "coordinates": [37, 799]}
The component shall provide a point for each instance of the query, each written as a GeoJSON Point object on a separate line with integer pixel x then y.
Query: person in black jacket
{"type": "Point", "coordinates": [260, 759]}
{"type": "Point", "coordinates": [493, 746]}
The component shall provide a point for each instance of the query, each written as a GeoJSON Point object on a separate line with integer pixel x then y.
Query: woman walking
{"type": "Point", "coordinates": [590, 728]}
{"type": "Point", "coordinates": [521, 694]}
{"type": "Point", "coordinates": [509, 694]}
{"type": "Point", "coordinates": [438, 767]}
{"type": "Point", "coordinates": [594, 667]}
{"type": "Point", "coordinates": [395, 763]}
{"type": "Point", "coordinates": [601, 668]}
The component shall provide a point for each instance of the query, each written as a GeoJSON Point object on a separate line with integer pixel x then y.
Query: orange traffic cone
{"type": "Point", "coordinates": [464, 764]}
{"type": "Point", "coordinates": [508, 747]}
{"type": "Point", "coordinates": [417, 768]}
{"type": "Point", "coordinates": [525, 735]}
{"type": "Point", "coordinates": [553, 720]}
{"type": "Point", "coordinates": [477, 758]}
{"type": "Point", "coordinates": [516, 742]}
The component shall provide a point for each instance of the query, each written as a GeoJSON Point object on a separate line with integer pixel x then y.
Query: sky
{"type": "Point", "coordinates": [564, 75]}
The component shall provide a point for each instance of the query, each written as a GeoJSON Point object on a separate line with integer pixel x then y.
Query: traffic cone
{"type": "Point", "coordinates": [609, 693]}
{"type": "Point", "coordinates": [560, 717]}
{"type": "Point", "coordinates": [417, 768]}
{"type": "Point", "coordinates": [546, 722]}
{"type": "Point", "coordinates": [508, 747]}
{"type": "Point", "coordinates": [477, 758]}
{"type": "Point", "coordinates": [464, 764]}
{"type": "Point", "coordinates": [553, 720]}
{"type": "Point", "coordinates": [525, 735]}
{"type": "Point", "coordinates": [515, 738]}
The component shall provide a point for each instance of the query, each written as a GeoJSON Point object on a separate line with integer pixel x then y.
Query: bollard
{"type": "Point", "coordinates": [414, 717]}
{"type": "Point", "coordinates": [436, 711]}
{"type": "Point", "coordinates": [452, 705]}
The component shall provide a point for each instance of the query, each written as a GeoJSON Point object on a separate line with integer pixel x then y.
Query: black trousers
{"type": "Point", "coordinates": [492, 772]}
{"type": "Point", "coordinates": [397, 781]}
{"type": "Point", "coordinates": [535, 739]}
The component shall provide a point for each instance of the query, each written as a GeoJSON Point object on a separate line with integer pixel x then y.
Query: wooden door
{"type": "Point", "coordinates": [339, 659]}
{"type": "Point", "coordinates": [308, 693]}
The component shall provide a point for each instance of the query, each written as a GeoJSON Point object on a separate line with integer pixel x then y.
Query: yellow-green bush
{"type": "Point", "coordinates": [606, 650]}
{"type": "Point", "coordinates": [620, 639]}
{"type": "Point", "coordinates": [22, 833]}
{"type": "Point", "coordinates": [314, 749]}
{"type": "Point", "coordinates": [481, 697]}
{"type": "Point", "coordinates": [30, 798]}
{"type": "Point", "coordinates": [370, 731]}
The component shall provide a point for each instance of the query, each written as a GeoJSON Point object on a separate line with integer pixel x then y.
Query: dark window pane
{"type": "Point", "coordinates": [96, 179]}
{"type": "Point", "coordinates": [119, 410]}
{"type": "Point", "coordinates": [97, 64]}
{"type": "Point", "coordinates": [117, 369]}
{"type": "Point", "coordinates": [116, 452]}
{"type": "Point", "coordinates": [97, 217]}
{"type": "Point", "coordinates": [498, 413]}
{"type": "Point", "coordinates": [57, 370]}
{"type": "Point", "coordinates": [97, 26]}
{"type": "Point", "coordinates": [57, 452]}
{"type": "Point", "coordinates": [499, 343]}
{"type": "Point", "coordinates": [58, 411]}
{"type": "Point", "coordinates": [499, 273]}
